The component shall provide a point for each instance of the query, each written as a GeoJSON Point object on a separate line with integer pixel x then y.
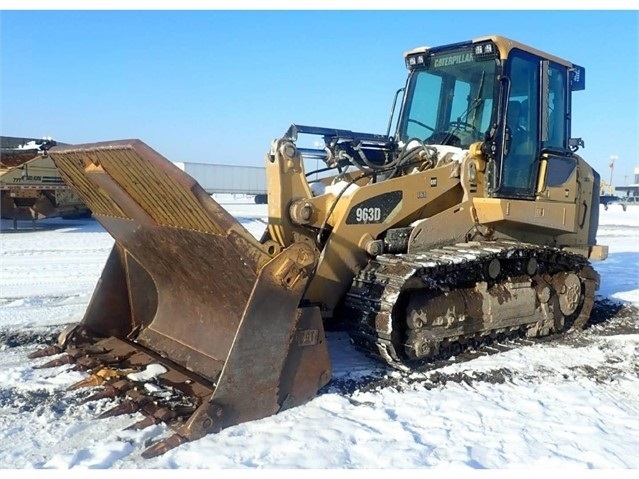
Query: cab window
{"type": "Point", "coordinates": [556, 117]}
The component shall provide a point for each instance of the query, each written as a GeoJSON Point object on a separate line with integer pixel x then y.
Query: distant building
{"type": "Point", "coordinates": [633, 189]}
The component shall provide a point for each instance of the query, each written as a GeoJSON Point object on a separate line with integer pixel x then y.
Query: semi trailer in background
{"type": "Point", "coordinates": [230, 179]}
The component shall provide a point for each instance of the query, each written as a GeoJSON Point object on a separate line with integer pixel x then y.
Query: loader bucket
{"type": "Point", "coordinates": [192, 322]}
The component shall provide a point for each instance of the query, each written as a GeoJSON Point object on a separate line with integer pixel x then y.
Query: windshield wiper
{"type": "Point", "coordinates": [478, 99]}
{"type": "Point", "coordinates": [472, 108]}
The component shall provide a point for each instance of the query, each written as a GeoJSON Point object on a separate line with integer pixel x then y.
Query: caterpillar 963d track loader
{"type": "Point", "coordinates": [475, 219]}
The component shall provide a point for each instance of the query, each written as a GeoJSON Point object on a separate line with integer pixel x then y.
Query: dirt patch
{"type": "Point", "coordinates": [610, 317]}
{"type": "Point", "coordinates": [14, 339]}
{"type": "Point", "coordinates": [38, 401]}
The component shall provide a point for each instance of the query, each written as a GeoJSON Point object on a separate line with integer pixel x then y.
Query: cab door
{"type": "Point", "coordinates": [537, 124]}
{"type": "Point", "coordinates": [522, 139]}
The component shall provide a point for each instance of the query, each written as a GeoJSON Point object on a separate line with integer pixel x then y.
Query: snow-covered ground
{"type": "Point", "coordinates": [568, 404]}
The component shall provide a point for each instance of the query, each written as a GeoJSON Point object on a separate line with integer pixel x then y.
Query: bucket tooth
{"type": "Point", "coordinates": [164, 446]}
{"type": "Point", "coordinates": [148, 421]}
{"type": "Point", "coordinates": [109, 374]}
{"type": "Point", "coordinates": [91, 381]}
{"type": "Point", "coordinates": [128, 406]}
{"type": "Point", "coordinates": [106, 359]}
{"type": "Point", "coordinates": [154, 414]}
{"type": "Point", "coordinates": [54, 363]}
{"type": "Point", "coordinates": [99, 377]}
{"type": "Point", "coordinates": [48, 351]}
{"type": "Point", "coordinates": [110, 391]}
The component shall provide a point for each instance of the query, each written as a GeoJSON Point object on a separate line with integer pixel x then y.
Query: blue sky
{"type": "Point", "coordinates": [218, 86]}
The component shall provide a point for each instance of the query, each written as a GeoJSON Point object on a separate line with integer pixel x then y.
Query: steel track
{"type": "Point", "coordinates": [381, 321]}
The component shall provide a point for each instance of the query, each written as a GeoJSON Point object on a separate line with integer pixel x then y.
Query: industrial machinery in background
{"type": "Point", "coordinates": [474, 220]}
{"type": "Point", "coordinates": [31, 187]}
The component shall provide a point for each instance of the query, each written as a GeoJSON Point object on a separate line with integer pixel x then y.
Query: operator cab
{"type": "Point", "coordinates": [514, 99]}
{"type": "Point", "coordinates": [449, 97]}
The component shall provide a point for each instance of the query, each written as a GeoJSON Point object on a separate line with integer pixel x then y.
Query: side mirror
{"type": "Point", "coordinates": [577, 78]}
{"type": "Point", "coordinates": [576, 143]}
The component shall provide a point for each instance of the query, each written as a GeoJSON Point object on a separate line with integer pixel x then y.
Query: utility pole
{"type": "Point", "coordinates": [612, 168]}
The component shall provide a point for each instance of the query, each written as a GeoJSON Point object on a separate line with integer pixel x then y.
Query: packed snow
{"type": "Point", "coordinates": [572, 403]}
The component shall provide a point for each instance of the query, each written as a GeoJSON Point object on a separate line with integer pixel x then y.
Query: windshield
{"type": "Point", "coordinates": [450, 101]}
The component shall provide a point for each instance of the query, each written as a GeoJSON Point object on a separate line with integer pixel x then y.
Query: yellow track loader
{"type": "Point", "coordinates": [31, 188]}
{"type": "Point", "coordinates": [474, 220]}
